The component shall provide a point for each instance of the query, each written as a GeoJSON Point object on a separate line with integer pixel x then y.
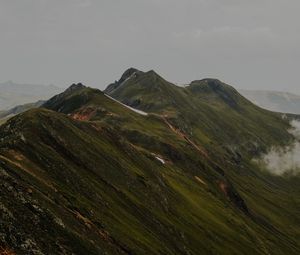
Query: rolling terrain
{"type": "Point", "coordinates": [146, 167]}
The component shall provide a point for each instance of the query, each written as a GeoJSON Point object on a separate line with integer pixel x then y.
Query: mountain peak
{"type": "Point", "coordinates": [75, 87]}
{"type": "Point", "coordinates": [154, 74]}
{"type": "Point", "coordinates": [210, 89]}
{"type": "Point", "coordinates": [127, 74]}
{"type": "Point", "coordinates": [71, 98]}
{"type": "Point", "coordinates": [211, 82]}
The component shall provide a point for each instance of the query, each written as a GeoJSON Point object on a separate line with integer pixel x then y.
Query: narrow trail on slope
{"type": "Point", "coordinates": [183, 135]}
{"type": "Point", "coordinates": [164, 118]}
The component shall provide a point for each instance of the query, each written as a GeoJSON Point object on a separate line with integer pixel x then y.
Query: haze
{"type": "Point", "coordinates": [249, 44]}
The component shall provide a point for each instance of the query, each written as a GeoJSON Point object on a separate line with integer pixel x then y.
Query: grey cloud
{"type": "Point", "coordinates": [250, 44]}
{"type": "Point", "coordinates": [281, 160]}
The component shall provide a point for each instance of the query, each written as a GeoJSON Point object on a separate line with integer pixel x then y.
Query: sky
{"type": "Point", "coordinates": [250, 44]}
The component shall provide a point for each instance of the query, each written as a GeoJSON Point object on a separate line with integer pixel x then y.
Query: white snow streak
{"type": "Point", "coordinates": [161, 160]}
{"type": "Point", "coordinates": [131, 108]}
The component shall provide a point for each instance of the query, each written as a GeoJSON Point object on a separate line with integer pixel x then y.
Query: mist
{"type": "Point", "coordinates": [282, 160]}
{"type": "Point", "coordinates": [243, 43]}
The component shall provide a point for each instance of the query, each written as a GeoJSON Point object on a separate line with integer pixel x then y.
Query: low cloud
{"type": "Point", "coordinates": [282, 160]}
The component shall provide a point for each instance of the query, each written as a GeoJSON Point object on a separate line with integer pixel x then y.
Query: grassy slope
{"type": "Point", "coordinates": [89, 180]}
{"type": "Point", "coordinates": [207, 107]}
{"type": "Point", "coordinates": [215, 116]}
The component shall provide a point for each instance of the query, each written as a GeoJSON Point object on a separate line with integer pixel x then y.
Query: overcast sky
{"type": "Point", "coordinates": [251, 44]}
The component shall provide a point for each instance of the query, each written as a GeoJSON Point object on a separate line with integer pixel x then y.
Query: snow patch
{"type": "Point", "coordinates": [10, 116]}
{"type": "Point", "coordinates": [200, 180]}
{"type": "Point", "coordinates": [160, 160]}
{"type": "Point", "coordinates": [133, 75]}
{"type": "Point", "coordinates": [127, 79]}
{"type": "Point", "coordinates": [22, 137]}
{"type": "Point", "coordinates": [131, 108]}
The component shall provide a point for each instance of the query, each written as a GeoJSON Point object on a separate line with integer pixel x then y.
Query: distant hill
{"type": "Point", "coordinates": [5, 115]}
{"type": "Point", "coordinates": [274, 100]}
{"type": "Point", "coordinates": [13, 94]}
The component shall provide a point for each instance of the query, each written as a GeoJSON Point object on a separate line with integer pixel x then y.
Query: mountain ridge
{"type": "Point", "coordinates": [82, 166]}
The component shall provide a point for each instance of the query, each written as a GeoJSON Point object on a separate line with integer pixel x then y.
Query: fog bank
{"type": "Point", "coordinates": [281, 160]}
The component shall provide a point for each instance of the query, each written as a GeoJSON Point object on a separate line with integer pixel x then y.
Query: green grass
{"type": "Point", "coordinates": [104, 170]}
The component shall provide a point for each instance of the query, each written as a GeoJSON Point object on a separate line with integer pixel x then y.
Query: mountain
{"type": "Point", "coordinates": [274, 101]}
{"type": "Point", "coordinates": [165, 170]}
{"type": "Point", "coordinates": [13, 94]}
{"type": "Point", "coordinates": [204, 109]}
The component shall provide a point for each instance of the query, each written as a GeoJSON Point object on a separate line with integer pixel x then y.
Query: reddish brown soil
{"type": "Point", "coordinates": [5, 251]}
{"type": "Point", "coordinates": [84, 114]}
{"type": "Point", "coordinates": [223, 187]}
{"type": "Point", "coordinates": [185, 137]}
